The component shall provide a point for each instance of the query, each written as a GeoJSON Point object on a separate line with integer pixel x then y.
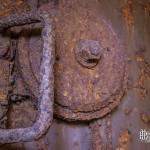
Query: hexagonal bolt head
{"type": "Point", "coordinates": [88, 53]}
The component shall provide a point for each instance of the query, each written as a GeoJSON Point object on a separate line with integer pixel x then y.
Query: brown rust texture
{"type": "Point", "coordinates": [79, 90]}
{"type": "Point", "coordinates": [45, 96]}
{"type": "Point", "coordinates": [97, 142]}
{"type": "Point", "coordinates": [145, 118]}
{"type": "Point", "coordinates": [124, 140]}
{"type": "Point", "coordinates": [127, 12]}
{"type": "Point", "coordinates": [8, 6]}
{"type": "Point", "coordinates": [144, 75]}
{"type": "Point", "coordinates": [30, 46]}
{"type": "Point", "coordinates": [86, 93]}
{"type": "Point", "coordinates": [108, 132]}
{"type": "Point", "coordinates": [30, 51]}
{"type": "Point", "coordinates": [21, 111]}
{"type": "Point", "coordinates": [4, 77]}
{"type": "Point", "coordinates": [80, 93]}
{"type": "Point", "coordinates": [101, 133]}
{"type": "Point", "coordinates": [146, 7]}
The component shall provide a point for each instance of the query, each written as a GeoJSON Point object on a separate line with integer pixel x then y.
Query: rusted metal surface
{"type": "Point", "coordinates": [16, 20]}
{"type": "Point", "coordinates": [124, 140]}
{"type": "Point", "coordinates": [88, 53]}
{"type": "Point", "coordinates": [45, 97]}
{"type": "Point", "coordinates": [4, 83]}
{"type": "Point", "coordinates": [8, 6]}
{"type": "Point", "coordinates": [107, 76]}
{"type": "Point", "coordinates": [127, 11]}
{"type": "Point", "coordinates": [102, 86]}
{"type": "Point", "coordinates": [97, 142]}
{"type": "Point", "coordinates": [85, 94]}
{"type": "Point", "coordinates": [129, 20]}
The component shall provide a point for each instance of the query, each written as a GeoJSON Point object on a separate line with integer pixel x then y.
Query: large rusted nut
{"type": "Point", "coordinates": [88, 53]}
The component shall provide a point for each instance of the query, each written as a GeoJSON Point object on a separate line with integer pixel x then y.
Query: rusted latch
{"type": "Point", "coordinates": [46, 90]}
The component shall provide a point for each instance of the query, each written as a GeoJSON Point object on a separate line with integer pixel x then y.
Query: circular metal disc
{"type": "Point", "coordinates": [82, 93]}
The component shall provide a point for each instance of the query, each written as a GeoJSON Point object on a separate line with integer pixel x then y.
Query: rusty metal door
{"type": "Point", "coordinates": [97, 96]}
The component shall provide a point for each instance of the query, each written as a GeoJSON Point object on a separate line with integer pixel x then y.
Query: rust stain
{"type": "Point", "coordinates": [127, 12]}
{"type": "Point", "coordinates": [3, 96]}
{"type": "Point", "coordinates": [145, 118]}
{"type": "Point", "coordinates": [146, 7]}
{"type": "Point", "coordinates": [8, 6]}
{"type": "Point", "coordinates": [86, 82]}
{"type": "Point", "coordinates": [124, 140]}
{"type": "Point", "coordinates": [143, 76]}
{"type": "Point", "coordinates": [127, 111]}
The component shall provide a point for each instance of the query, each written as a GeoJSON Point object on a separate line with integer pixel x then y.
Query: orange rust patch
{"type": "Point", "coordinates": [124, 139]}
{"type": "Point", "coordinates": [8, 6]}
{"type": "Point", "coordinates": [145, 118]}
{"type": "Point", "coordinates": [3, 96]}
{"type": "Point", "coordinates": [144, 75]}
{"type": "Point", "coordinates": [127, 12]}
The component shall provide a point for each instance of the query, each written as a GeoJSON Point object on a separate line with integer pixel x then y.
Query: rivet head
{"type": "Point", "coordinates": [88, 53]}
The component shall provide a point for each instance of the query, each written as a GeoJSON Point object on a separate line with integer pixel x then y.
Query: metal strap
{"type": "Point", "coordinates": [46, 89]}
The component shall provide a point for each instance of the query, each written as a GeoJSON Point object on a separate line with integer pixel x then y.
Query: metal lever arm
{"type": "Point", "coordinates": [46, 91]}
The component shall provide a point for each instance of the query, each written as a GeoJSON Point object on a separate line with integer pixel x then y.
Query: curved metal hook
{"type": "Point", "coordinates": [46, 91]}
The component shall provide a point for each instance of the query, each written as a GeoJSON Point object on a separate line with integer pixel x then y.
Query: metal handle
{"type": "Point", "coordinates": [46, 89]}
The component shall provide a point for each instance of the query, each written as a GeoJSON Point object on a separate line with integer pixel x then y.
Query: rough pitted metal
{"type": "Point", "coordinates": [30, 46]}
{"type": "Point", "coordinates": [97, 142]}
{"type": "Point", "coordinates": [4, 80]}
{"type": "Point", "coordinates": [46, 91]}
{"type": "Point", "coordinates": [8, 7]}
{"type": "Point", "coordinates": [82, 93]}
{"type": "Point", "coordinates": [88, 53]}
{"type": "Point", "coordinates": [134, 17]}
{"type": "Point", "coordinates": [15, 20]}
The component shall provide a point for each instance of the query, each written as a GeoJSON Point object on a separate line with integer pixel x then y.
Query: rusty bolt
{"type": "Point", "coordinates": [88, 53]}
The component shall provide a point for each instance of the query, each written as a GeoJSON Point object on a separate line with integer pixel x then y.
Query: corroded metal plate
{"type": "Point", "coordinates": [80, 93]}
{"type": "Point", "coordinates": [8, 6]}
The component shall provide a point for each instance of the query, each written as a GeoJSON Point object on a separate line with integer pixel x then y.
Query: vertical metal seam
{"type": "Point", "coordinates": [97, 143]}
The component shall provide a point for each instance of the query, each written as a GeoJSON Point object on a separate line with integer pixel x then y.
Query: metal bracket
{"type": "Point", "coordinates": [46, 91]}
